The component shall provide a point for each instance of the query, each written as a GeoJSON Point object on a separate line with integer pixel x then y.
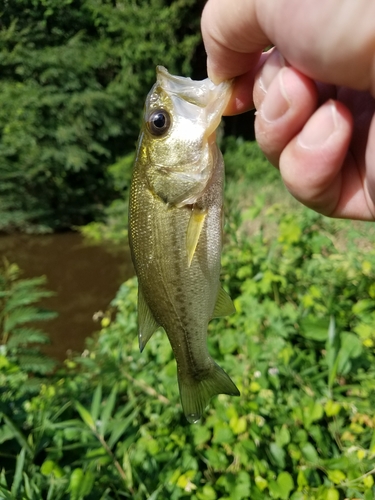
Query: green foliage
{"type": "Point", "coordinates": [114, 228]}
{"type": "Point", "coordinates": [244, 161]}
{"type": "Point", "coordinates": [73, 80]}
{"type": "Point", "coordinates": [300, 348]}
{"type": "Point", "coordinates": [18, 309]}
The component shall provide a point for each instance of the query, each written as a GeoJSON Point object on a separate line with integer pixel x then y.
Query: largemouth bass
{"type": "Point", "coordinates": [175, 229]}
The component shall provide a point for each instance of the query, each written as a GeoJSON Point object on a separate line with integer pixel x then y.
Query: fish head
{"type": "Point", "coordinates": [178, 135]}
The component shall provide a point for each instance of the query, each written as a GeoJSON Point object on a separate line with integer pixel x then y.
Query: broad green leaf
{"type": "Point", "coordinates": [310, 453]}
{"type": "Point", "coordinates": [315, 328]}
{"type": "Point", "coordinates": [332, 494]}
{"type": "Point", "coordinates": [286, 484]}
{"type": "Point", "coordinates": [363, 305]}
{"type": "Point", "coordinates": [47, 467]}
{"type": "Point", "coordinates": [6, 433]}
{"type": "Point", "coordinates": [222, 433]}
{"type": "Point", "coordinates": [278, 454]}
{"type": "Point", "coordinates": [207, 493]}
{"type": "Point", "coordinates": [282, 436]}
{"type": "Point", "coordinates": [261, 482]}
{"type": "Point", "coordinates": [75, 483]}
{"type": "Point", "coordinates": [201, 434]}
{"type": "Point", "coordinates": [336, 476]}
{"type": "Point", "coordinates": [332, 408]}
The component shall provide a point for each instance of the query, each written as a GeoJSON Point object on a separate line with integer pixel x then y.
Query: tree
{"type": "Point", "coordinates": [73, 77]}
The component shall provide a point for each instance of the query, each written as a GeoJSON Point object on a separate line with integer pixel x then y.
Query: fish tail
{"type": "Point", "coordinates": [195, 394]}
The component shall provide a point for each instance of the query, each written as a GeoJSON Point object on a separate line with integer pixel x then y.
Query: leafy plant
{"type": "Point", "coordinates": [18, 309]}
{"type": "Point", "coordinates": [108, 424]}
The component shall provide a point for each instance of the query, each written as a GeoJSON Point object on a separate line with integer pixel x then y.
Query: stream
{"type": "Point", "coordinates": [84, 278]}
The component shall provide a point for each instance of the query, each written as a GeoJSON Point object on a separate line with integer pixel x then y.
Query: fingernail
{"type": "Point", "coordinates": [270, 69]}
{"type": "Point", "coordinates": [320, 126]}
{"type": "Point", "coordinates": [277, 101]}
{"type": "Point", "coordinates": [212, 74]}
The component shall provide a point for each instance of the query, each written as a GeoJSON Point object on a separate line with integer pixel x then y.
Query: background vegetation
{"type": "Point", "coordinates": [74, 75]}
{"type": "Point", "coordinates": [107, 424]}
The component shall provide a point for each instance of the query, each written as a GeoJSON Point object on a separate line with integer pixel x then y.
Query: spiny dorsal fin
{"type": "Point", "coordinates": [224, 305]}
{"type": "Point", "coordinates": [194, 230]}
{"type": "Point", "coordinates": [146, 322]}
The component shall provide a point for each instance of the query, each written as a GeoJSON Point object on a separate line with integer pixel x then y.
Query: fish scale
{"type": "Point", "coordinates": [175, 230]}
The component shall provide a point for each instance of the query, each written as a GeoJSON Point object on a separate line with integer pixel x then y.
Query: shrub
{"type": "Point", "coordinates": [300, 348]}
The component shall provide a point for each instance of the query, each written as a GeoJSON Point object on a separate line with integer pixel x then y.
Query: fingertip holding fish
{"type": "Point", "coordinates": [175, 229]}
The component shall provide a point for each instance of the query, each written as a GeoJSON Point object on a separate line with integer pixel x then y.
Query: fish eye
{"type": "Point", "coordinates": [159, 122]}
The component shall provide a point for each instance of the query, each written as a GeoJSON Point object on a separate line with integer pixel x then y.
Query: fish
{"type": "Point", "coordinates": [176, 229]}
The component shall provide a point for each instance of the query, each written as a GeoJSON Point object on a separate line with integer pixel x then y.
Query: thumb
{"type": "Point", "coordinates": [232, 37]}
{"type": "Point", "coordinates": [331, 41]}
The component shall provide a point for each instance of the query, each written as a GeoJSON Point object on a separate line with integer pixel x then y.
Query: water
{"type": "Point", "coordinates": [84, 277]}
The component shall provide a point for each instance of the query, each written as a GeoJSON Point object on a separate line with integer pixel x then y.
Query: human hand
{"type": "Point", "coordinates": [315, 102]}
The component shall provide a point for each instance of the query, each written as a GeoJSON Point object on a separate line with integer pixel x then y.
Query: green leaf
{"type": "Point", "coordinates": [310, 453]}
{"type": "Point", "coordinates": [207, 493]}
{"type": "Point", "coordinates": [336, 476]}
{"type": "Point", "coordinates": [7, 494]}
{"type": "Point", "coordinates": [286, 484]}
{"type": "Point", "coordinates": [201, 435]}
{"type": "Point", "coordinates": [17, 433]}
{"type": "Point", "coordinates": [6, 433]}
{"type": "Point", "coordinates": [222, 433]}
{"type": "Point", "coordinates": [351, 348]}
{"type": "Point", "coordinates": [261, 483]}
{"type": "Point", "coordinates": [120, 427]}
{"type": "Point", "coordinates": [47, 467]}
{"type": "Point", "coordinates": [314, 328]}
{"type": "Point", "coordinates": [85, 415]}
{"type": "Point", "coordinates": [75, 482]}
{"type": "Point", "coordinates": [18, 472]}
{"type": "Point", "coordinates": [278, 454]}
{"type": "Point", "coordinates": [96, 402]}
{"type": "Point", "coordinates": [363, 305]}
{"type": "Point", "coordinates": [87, 483]}
{"type": "Point", "coordinates": [109, 406]}
{"type": "Point", "coordinates": [332, 494]}
{"type": "Point", "coordinates": [282, 436]}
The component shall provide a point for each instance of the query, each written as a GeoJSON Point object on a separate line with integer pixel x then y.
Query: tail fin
{"type": "Point", "coordinates": [195, 394]}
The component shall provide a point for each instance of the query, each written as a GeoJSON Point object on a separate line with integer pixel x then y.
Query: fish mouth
{"type": "Point", "coordinates": [205, 94]}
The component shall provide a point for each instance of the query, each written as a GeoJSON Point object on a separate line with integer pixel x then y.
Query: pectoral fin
{"type": "Point", "coordinates": [146, 322]}
{"type": "Point", "coordinates": [224, 305]}
{"type": "Point", "coordinates": [194, 230]}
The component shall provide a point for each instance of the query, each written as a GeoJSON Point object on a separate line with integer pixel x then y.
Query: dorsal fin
{"type": "Point", "coordinates": [146, 322]}
{"type": "Point", "coordinates": [194, 230]}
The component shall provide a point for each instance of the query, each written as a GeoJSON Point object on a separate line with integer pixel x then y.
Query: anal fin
{"type": "Point", "coordinates": [146, 322]}
{"type": "Point", "coordinates": [224, 305]}
{"type": "Point", "coordinates": [194, 230]}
